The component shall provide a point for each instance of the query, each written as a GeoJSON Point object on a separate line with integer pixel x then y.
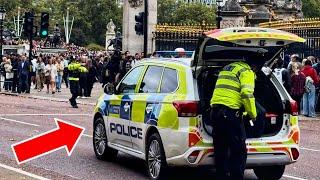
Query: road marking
{"type": "Point", "coordinates": [308, 149]}
{"type": "Point", "coordinates": [22, 172]}
{"type": "Point", "coordinates": [87, 135]}
{"type": "Point", "coordinates": [21, 122]}
{"type": "Point", "coordinates": [45, 114]}
{"type": "Point", "coordinates": [36, 125]}
{"type": "Point", "coordinates": [293, 177]}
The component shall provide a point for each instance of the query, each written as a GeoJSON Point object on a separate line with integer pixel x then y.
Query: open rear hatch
{"type": "Point", "coordinates": [233, 44]}
{"type": "Point", "coordinates": [220, 47]}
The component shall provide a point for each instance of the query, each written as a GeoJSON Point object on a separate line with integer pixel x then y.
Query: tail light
{"type": "Point", "coordinates": [186, 108]}
{"type": "Point", "coordinates": [294, 109]}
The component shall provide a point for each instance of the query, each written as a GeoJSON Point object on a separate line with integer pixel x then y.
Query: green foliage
{"type": "Point", "coordinates": [90, 16]}
{"type": "Point", "coordinates": [95, 47]}
{"type": "Point", "coordinates": [311, 8]}
{"type": "Point", "coordinates": [172, 11]}
{"type": "Point", "coordinates": [166, 11]}
{"type": "Point", "coordinates": [195, 13]}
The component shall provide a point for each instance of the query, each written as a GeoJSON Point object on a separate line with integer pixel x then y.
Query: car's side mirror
{"type": "Point", "coordinates": [109, 89]}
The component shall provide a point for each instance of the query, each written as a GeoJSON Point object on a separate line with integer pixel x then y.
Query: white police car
{"type": "Point", "coordinates": [159, 112]}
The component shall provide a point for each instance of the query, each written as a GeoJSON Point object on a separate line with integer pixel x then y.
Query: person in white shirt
{"type": "Point", "coordinates": [33, 73]}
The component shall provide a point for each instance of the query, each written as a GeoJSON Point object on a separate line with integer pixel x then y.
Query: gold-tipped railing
{"type": "Point", "coordinates": [306, 23]}
{"type": "Point", "coordinates": [195, 29]}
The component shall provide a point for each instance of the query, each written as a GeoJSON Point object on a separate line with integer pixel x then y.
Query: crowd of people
{"type": "Point", "coordinates": [49, 71]}
{"type": "Point", "coordinates": [300, 77]}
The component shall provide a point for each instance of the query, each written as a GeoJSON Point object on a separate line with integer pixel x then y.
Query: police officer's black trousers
{"type": "Point", "coordinates": [229, 142]}
{"type": "Point", "coordinates": [74, 89]}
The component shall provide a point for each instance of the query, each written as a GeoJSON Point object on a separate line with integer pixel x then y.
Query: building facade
{"type": "Point", "coordinates": [253, 12]}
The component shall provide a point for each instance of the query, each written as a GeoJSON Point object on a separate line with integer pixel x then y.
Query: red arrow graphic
{"type": "Point", "coordinates": [66, 135]}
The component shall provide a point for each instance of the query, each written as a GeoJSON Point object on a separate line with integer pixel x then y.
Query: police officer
{"type": "Point", "coordinates": [75, 69]}
{"type": "Point", "coordinates": [232, 95]}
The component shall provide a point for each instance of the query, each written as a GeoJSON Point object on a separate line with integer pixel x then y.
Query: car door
{"type": "Point", "coordinates": [120, 109]}
{"type": "Point", "coordinates": [146, 106]}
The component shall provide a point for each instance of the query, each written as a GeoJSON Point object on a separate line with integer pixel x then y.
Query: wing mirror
{"type": "Point", "coordinates": [109, 89]}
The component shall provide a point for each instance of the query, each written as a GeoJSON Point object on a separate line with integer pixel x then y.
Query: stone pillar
{"type": "Point", "coordinates": [131, 41]}
{"type": "Point", "coordinates": [233, 19]}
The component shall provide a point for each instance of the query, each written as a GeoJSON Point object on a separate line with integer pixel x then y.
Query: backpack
{"type": "Point", "coordinates": [278, 73]}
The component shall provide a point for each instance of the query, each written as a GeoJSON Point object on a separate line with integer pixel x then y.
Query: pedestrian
{"type": "Point", "coordinates": [60, 68]}
{"type": "Point", "coordinates": [91, 77]}
{"type": "Point", "coordinates": [293, 58]}
{"type": "Point", "coordinates": [74, 74]}
{"type": "Point", "coordinates": [23, 74]}
{"type": "Point", "coordinates": [66, 72]}
{"type": "Point", "coordinates": [298, 80]}
{"type": "Point", "coordinates": [15, 81]}
{"type": "Point", "coordinates": [51, 73]}
{"type": "Point", "coordinates": [40, 73]}
{"type": "Point", "coordinates": [310, 89]}
{"type": "Point", "coordinates": [230, 99]}
{"type": "Point", "coordinates": [136, 59]}
{"type": "Point", "coordinates": [105, 73]}
{"type": "Point", "coordinates": [282, 74]}
{"type": "Point", "coordinates": [125, 66]}
{"type": "Point", "coordinates": [33, 72]}
{"type": "Point", "coordinates": [83, 78]}
{"type": "Point", "coordinates": [8, 75]}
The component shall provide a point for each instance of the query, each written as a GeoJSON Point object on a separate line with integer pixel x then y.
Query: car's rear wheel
{"type": "Point", "coordinates": [269, 172]}
{"type": "Point", "coordinates": [155, 158]}
{"type": "Point", "coordinates": [100, 142]}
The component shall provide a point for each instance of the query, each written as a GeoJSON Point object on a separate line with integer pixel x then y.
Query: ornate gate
{"type": "Point", "coordinates": [168, 37]}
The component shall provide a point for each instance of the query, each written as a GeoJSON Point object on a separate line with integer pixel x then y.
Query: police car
{"type": "Point", "coordinates": [159, 112]}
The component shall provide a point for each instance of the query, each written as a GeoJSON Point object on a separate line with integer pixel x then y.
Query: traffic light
{"type": "Point", "coordinates": [28, 24]}
{"type": "Point", "coordinates": [44, 25]}
{"type": "Point", "coordinates": [139, 27]}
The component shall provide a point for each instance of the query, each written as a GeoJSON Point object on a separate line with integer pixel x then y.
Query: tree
{"type": "Point", "coordinates": [172, 11]}
{"type": "Point", "coordinates": [166, 11]}
{"type": "Point", "coordinates": [90, 16]}
{"type": "Point", "coordinates": [311, 8]}
{"type": "Point", "coordinates": [195, 13]}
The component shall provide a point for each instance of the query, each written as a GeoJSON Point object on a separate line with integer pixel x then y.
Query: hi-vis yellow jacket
{"type": "Point", "coordinates": [235, 87]}
{"type": "Point", "coordinates": [74, 71]}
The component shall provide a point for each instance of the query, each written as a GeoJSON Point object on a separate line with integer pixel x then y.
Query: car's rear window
{"type": "Point", "coordinates": [169, 81]}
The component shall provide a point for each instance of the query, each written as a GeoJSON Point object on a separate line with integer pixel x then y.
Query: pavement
{"type": "Point", "coordinates": [62, 96]}
{"type": "Point", "coordinates": [24, 116]}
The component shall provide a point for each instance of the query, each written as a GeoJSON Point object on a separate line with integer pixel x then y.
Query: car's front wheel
{"type": "Point", "coordinates": [100, 142]}
{"type": "Point", "coordinates": [155, 158]}
{"type": "Point", "coordinates": [269, 172]}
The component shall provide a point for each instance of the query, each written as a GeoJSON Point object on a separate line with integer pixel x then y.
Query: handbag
{"type": "Point", "coordinates": [9, 75]}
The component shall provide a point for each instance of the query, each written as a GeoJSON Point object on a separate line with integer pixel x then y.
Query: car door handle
{"type": "Point", "coordinates": [126, 107]}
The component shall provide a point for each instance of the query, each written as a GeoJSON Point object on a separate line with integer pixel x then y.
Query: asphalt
{"type": "Point", "coordinates": [23, 117]}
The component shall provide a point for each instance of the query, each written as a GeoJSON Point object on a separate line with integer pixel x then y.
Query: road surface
{"type": "Point", "coordinates": [22, 118]}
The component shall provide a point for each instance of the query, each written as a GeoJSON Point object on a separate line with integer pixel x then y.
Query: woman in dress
{"type": "Point", "coordinates": [51, 73]}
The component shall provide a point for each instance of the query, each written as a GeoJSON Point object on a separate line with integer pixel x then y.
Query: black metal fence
{"type": "Point", "coordinates": [168, 39]}
{"type": "Point", "coordinates": [311, 47]}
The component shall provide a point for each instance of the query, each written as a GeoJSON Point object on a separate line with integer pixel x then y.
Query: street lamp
{"type": "Point", "coordinates": [219, 18]}
{"type": "Point", "coordinates": [2, 16]}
